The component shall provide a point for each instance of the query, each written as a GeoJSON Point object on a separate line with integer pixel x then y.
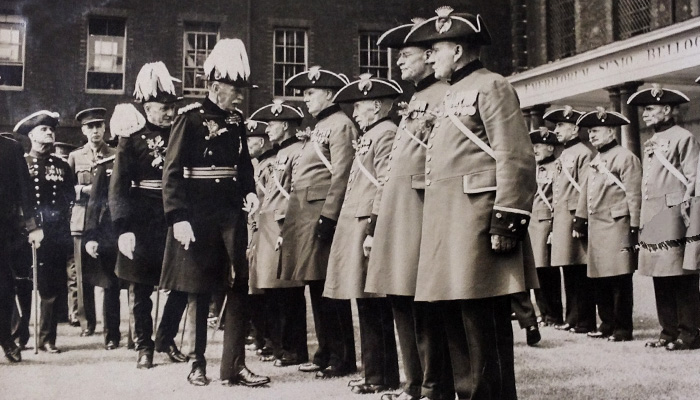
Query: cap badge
{"type": "Point", "coordinates": [251, 125]}
{"type": "Point", "coordinates": [568, 111]}
{"type": "Point", "coordinates": [365, 84]}
{"type": "Point", "coordinates": [601, 114]}
{"type": "Point", "coordinates": [314, 74]}
{"type": "Point", "coordinates": [657, 91]}
{"type": "Point", "coordinates": [443, 23]}
{"type": "Point", "coordinates": [276, 107]}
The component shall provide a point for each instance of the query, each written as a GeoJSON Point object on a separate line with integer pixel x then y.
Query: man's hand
{"type": "Point", "coordinates": [91, 248]}
{"type": "Point", "coordinates": [367, 245]}
{"type": "Point", "coordinates": [251, 203]}
{"type": "Point", "coordinates": [576, 234]}
{"type": "Point", "coordinates": [279, 243]}
{"type": "Point", "coordinates": [86, 189]}
{"type": "Point", "coordinates": [182, 231]}
{"type": "Point", "coordinates": [127, 244]}
{"type": "Point", "coordinates": [503, 244]}
{"type": "Point", "coordinates": [549, 238]}
{"type": "Point", "coordinates": [35, 237]}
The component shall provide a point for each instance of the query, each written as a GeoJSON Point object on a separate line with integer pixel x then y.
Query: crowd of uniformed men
{"type": "Point", "coordinates": [429, 225]}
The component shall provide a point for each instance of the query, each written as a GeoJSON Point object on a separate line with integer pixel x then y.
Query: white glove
{"type": "Point", "coordinates": [91, 248]}
{"type": "Point", "coordinates": [182, 231]}
{"type": "Point", "coordinates": [35, 237]}
{"type": "Point", "coordinates": [367, 245]}
{"type": "Point", "coordinates": [127, 244]}
{"type": "Point", "coordinates": [251, 203]}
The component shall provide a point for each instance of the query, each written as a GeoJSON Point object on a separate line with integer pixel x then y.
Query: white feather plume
{"type": "Point", "coordinates": [126, 120]}
{"type": "Point", "coordinates": [152, 79]}
{"type": "Point", "coordinates": [228, 60]}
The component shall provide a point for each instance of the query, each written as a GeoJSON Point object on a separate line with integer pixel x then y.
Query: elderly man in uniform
{"type": "Point", "coordinates": [608, 213]}
{"type": "Point", "coordinates": [372, 101]}
{"type": "Point", "coordinates": [548, 296]}
{"type": "Point", "coordinates": [393, 261]}
{"type": "Point", "coordinates": [82, 162]}
{"type": "Point", "coordinates": [668, 182]}
{"type": "Point", "coordinates": [207, 183]}
{"type": "Point", "coordinates": [320, 179]}
{"type": "Point", "coordinates": [16, 215]}
{"type": "Point", "coordinates": [286, 299]}
{"type": "Point", "coordinates": [479, 189]}
{"type": "Point", "coordinates": [54, 191]}
{"type": "Point", "coordinates": [569, 251]}
{"type": "Point", "coordinates": [136, 206]}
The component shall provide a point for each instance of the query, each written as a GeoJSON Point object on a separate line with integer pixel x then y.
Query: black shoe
{"type": "Point", "coordinates": [532, 335]}
{"type": "Point", "coordinates": [597, 335]}
{"type": "Point", "coordinates": [679, 344]}
{"type": "Point", "coordinates": [111, 345]}
{"type": "Point", "coordinates": [562, 327]}
{"type": "Point", "coordinates": [310, 367]}
{"type": "Point", "coordinates": [12, 352]}
{"type": "Point", "coordinates": [49, 348]}
{"type": "Point", "coordinates": [619, 338]}
{"type": "Point", "coordinates": [332, 372]}
{"type": "Point", "coordinates": [131, 345]}
{"type": "Point", "coordinates": [247, 378]}
{"type": "Point", "coordinates": [87, 332]}
{"type": "Point", "coordinates": [356, 382]}
{"type": "Point", "coordinates": [198, 377]}
{"type": "Point", "coordinates": [174, 354]}
{"type": "Point", "coordinates": [286, 361]}
{"type": "Point", "coordinates": [23, 346]}
{"type": "Point", "coordinates": [581, 330]}
{"type": "Point", "coordinates": [367, 388]}
{"type": "Point", "coordinates": [145, 360]}
{"type": "Point", "coordinates": [74, 322]}
{"type": "Point", "coordinates": [399, 396]}
{"type": "Point", "coordinates": [657, 343]}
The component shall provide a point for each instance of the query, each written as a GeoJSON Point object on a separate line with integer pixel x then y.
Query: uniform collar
{"type": "Point", "coordinates": [572, 142]}
{"type": "Point", "coordinates": [664, 125]}
{"type": "Point", "coordinates": [608, 146]}
{"type": "Point", "coordinates": [465, 71]}
{"type": "Point", "coordinates": [288, 142]}
{"type": "Point", "coordinates": [36, 154]}
{"type": "Point", "coordinates": [212, 108]}
{"type": "Point", "coordinates": [546, 160]}
{"type": "Point", "coordinates": [375, 123]}
{"type": "Point", "coordinates": [327, 112]}
{"type": "Point", "coordinates": [155, 128]}
{"type": "Point", "coordinates": [268, 154]}
{"type": "Point", "coordinates": [426, 82]}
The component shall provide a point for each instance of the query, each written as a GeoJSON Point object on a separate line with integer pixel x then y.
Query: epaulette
{"type": "Point", "coordinates": [189, 108]}
{"type": "Point", "coordinates": [105, 160]}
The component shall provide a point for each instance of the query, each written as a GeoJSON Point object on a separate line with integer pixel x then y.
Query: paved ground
{"type": "Point", "coordinates": [564, 365]}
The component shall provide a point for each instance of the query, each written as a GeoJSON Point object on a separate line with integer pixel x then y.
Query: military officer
{"type": "Point", "coordinates": [569, 252]}
{"type": "Point", "coordinates": [16, 215]}
{"type": "Point", "coordinates": [670, 171]}
{"type": "Point", "coordinates": [372, 100]}
{"type": "Point", "coordinates": [479, 188]}
{"type": "Point", "coordinates": [393, 262]}
{"type": "Point", "coordinates": [608, 214]}
{"type": "Point", "coordinates": [82, 162]}
{"type": "Point", "coordinates": [320, 178]}
{"type": "Point", "coordinates": [286, 299]}
{"type": "Point", "coordinates": [101, 244]}
{"type": "Point", "coordinates": [548, 296]}
{"type": "Point", "coordinates": [53, 192]}
{"type": "Point", "coordinates": [207, 181]}
{"type": "Point", "coordinates": [136, 207]}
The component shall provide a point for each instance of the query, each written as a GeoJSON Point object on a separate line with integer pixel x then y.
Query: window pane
{"type": "Point", "coordinates": [12, 54]}
{"type": "Point", "coordinates": [199, 38]}
{"type": "Point", "coordinates": [373, 59]}
{"type": "Point", "coordinates": [106, 53]}
{"type": "Point", "coordinates": [290, 58]}
{"type": "Point", "coordinates": [11, 75]}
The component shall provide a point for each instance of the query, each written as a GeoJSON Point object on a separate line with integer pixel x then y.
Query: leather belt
{"type": "Point", "coordinates": [149, 184]}
{"type": "Point", "coordinates": [209, 172]}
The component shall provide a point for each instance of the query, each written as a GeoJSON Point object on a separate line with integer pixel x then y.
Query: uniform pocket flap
{"type": "Point", "coordinates": [674, 199]}
{"type": "Point", "coordinates": [619, 210]}
{"type": "Point", "coordinates": [316, 192]}
{"type": "Point", "coordinates": [418, 181]}
{"type": "Point", "coordinates": [572, 204]}
{"type": "Point", "coordinates": [279, 214]}
{"type": "Point", "coordinates": [364, 209]}
{"type": "Point", "coordinates": [480, 182]}
{"type": "Point", "coordinates": [543, 215]}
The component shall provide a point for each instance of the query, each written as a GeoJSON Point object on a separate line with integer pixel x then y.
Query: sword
{"type": "Point", "coordinates": [155, 320]}
{"type": "Point", "coordinates": [77, 257]}
{"type": "Point", "coordinates": [35, 266]}
{"type": "Point", "coordinates": [184, 325]}
{"type": "Point", "coordinates": [221, 315]}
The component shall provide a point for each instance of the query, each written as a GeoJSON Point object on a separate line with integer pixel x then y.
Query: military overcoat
{"type": "Point", "coordinates": [540, 227]}
{"type": "Point", "coordinates": [571, 169]}
{"type": "Point", "coordinates": [347, 264]}
{"type": "Point", "coordinates": [611, 203]}
{"type": "Point", "coordinates": [471, 195]}
{"type": "Point", "coordinates": [393, 262]}
{"type": "Point", "coordinates": [316, 192]}
{"type": "Point", "coordinates": [261, 170]}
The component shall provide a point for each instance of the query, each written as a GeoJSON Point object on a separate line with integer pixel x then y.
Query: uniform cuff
{"type": "Point", "coordinates": [509, 224]}
{"type": "Point", "coordinates": [581, 225]}
{"type": "Point", "coordinates": [30, 224]}
{"type": "Point", "coordinates": [121, 226]}
{"type": "Point", "coordinates": [372, 225]}
{"type": "Point", "coordinates": [176, 216]}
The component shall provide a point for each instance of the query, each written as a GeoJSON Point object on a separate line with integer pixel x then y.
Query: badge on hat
{"type": "Point", "coordinates": [316, 77]}
{"type": "Point", "coordinates": [566, 114]}
{"type": "Point", "coordinates": [544, 136]}
{"type": "Point", "coordinates": [367, 88]}
{"type": "Point", "coordinates": [448, 25]}
{"type": "Point", "coordinates": [89, 115]}
{"type": "Point", "coordinates": [255, 128]}
{"type": "Point", "coordinates": [277, 111]}
{"type": "Point", "coordinates": [657, 95]}
{"type": "Point", "coordinates": [602, 117]}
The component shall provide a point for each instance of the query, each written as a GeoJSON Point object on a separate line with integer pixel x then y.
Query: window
{"type": "Point", "coordinates": [374, 59]}
{"type": "Point", "coordinates": [12, 44]}
{"type": "Point", "coordinates": [289, 58]}
{"type": "Point", "coordinates": [106, 54]}
{"type": "Point", "coordinates": [561, 29]}
{"type": "Point", "coordinates": [198, 41]}
{"type": "Point", "coordinates": [633, 17]}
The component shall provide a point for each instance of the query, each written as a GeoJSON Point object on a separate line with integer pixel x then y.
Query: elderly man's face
{"type": "Point", "coordinates": [275, 131]}
{"type": "Point", "coordinates": [317, 100]}
{"type": "Point", "coordinates": [42, 134]}
{"type": "Point", "coordinates": [255, 146]}
{"type": "Point", "coordinates": [565, 131]}
{"type": "Point", "coordinates": [228, 97]}
{"type": "Point", "coordinates": [160, 114]}
{"type": "Point", "coordinates": [412, 62]}
{"type": "Point", "coordinates": [443, 58]}
{"type": "Point", "coordinates": [599, 136]}
{"type": "Point", "coordinates": [542, 151]}
{"type": "Point", "coordinates": [655, 113]}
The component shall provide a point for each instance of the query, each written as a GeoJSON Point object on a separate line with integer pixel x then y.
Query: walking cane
{"type": "Point", "coordinates": [35, 267]}
{"type": "Point", "coordinates": [221, 315]}
{"type": "Point", "coordinates": [184, 324]}
{"type": "Point", "coordinates": [155, 320]}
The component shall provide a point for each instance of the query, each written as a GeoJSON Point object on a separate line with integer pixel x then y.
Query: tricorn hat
{"type": "Point", "coordinates": [657, 95]}
{"type": "Point", "coordinates": [43, 117]}
{"type": "Point", "coordinates": [255, 128]}
{"type": "Point", "coordinates": [316, 77]}
{"type": "Point", "coordinates": [396, 37]}
{"type": "Point", "coordinates": [228, 63]}
{"type": "Point", "coordinates": [277, 111]}
{"type": "Point", "coordinates": [452, 27]}
{"type": "Point", "coordinates": [154, 83]}
{"type": "Point", "coordinates": [126, 120]}
{"type": "Point", "coordinates": [544, 136]}
{"type": "Point", "coordinates": [566, 114]}
{"type": "Point", "coordinates": [367, 88]}
{"type": "Point", "coordinates": [89, 115]}
{"type": "Point", "coordinates": [601, 117]}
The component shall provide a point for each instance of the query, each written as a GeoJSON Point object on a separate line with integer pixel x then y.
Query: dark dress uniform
{"type": "Point", "coordinates": [53, 183]}
{"type": "Point", "coordinates": [16, 215]}
{"type": "Point", "coordinates": [136, 205]}
{"type": "Point", "coordinates": [82, 162]}
{"type": "Point", "coordinates": [99, 228]}
{"type": "Point", "coordinates": [207, 174]}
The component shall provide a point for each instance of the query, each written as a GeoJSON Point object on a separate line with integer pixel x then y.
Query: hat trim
{"type": "Point", "coordinates": [678, 92]}
{"type": "Point", "coordinates": [342, 77]}
{"type": "Point", "coordinates": [391, 83]}
{"type": "Point", "coordinates": [88, 110]}
{"type": "Point", "coordinates": [433, 19]}
{"type": "Point", "coordinates": [299, 113]}
{"type": "Point", "coordinates": [390, 31]}
{"type": "Point", "coordinates": [615, 113]}
{"type": "Point", "coordinates": [48, 113]}
{"type": "Point", "coordinates": [548, 113]}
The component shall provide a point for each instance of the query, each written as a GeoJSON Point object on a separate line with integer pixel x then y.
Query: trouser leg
{"type": "Point", "coordinates": [402, 310]}
{"type": "Point", "coordinates": [688, 307]}
{"type": "Point", "coordinates": [624, 304]}
{"type": "Point", "coordinates": [111, 314]}
{"type": "Point", "coordinates": [548, 296]}
{"type": "Point", "coordinates": [322, 355]}
{"type": "Point", "coordinates": [340, 332]}
{"type": "Point", "coordinates": [198, 309]}
{"type": "Point", "coordinates": [378, 344]}
{"type": "Point", "coordinates": [666, 308]}
{"type": "Point", "coordinates": [585, 301]}
{"type": "Point", "coordinates": [20, 323]}
{"type": "Point", "coordinates": [233, 357]}
{"type": "Point", "coordinates": [48, 320]}
{"type": "Point", "coordinates": [141, 307]}
{"type": "Point", "coordinates": [7, 303]}
{"type": "Point", "coordinates": [434, 350]}
{"type": "Point", "coordinates": [570, 276]}
{"type": "Point", "coordinates": [258, 319]}
{"type": "Point", "coordinates": [72, 287]}
{"type": "Point", "coordinates": [170, 320]}
{"type": "Point", "coordinates": [521, 305]}
{"type": "Point", "coordinates": [293, 323]}
{"type": "Point", "coordinates": [605, 301]}
{"type": "Point", "coordinates": [89, 306]}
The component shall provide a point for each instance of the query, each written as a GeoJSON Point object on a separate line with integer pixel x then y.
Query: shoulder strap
{"type": "Point", "coordinates": [366, 173]}
{"type": "Point", "coordinates": [673, 170]}
{"type": "Point", "coordinates": [323, 158]}
{"type": "Point", "coordinates": [471, 135]}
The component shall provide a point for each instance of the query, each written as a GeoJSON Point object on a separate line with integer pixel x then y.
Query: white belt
{"type": "Point", "coordinates": [280, 187]}
{"type": "Point", "coordinates": [571, 178]}
{"type": "Point", "coordinates": [323, 158]}
{"type": "Point", "coordinates": [414, 137]}
{"type": "Point", "coordinates": [149, 184]}
{"type": "Point", "coordinates": [543, 196]}
{"type": "Point", "coordinates": [366, 173]}
{"type": "Point", "coordinates": [209, 172]}
{"type": "Point", "coordinates": [471, 135]}
{"type": "Point", "coordinates": [673, 170]}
